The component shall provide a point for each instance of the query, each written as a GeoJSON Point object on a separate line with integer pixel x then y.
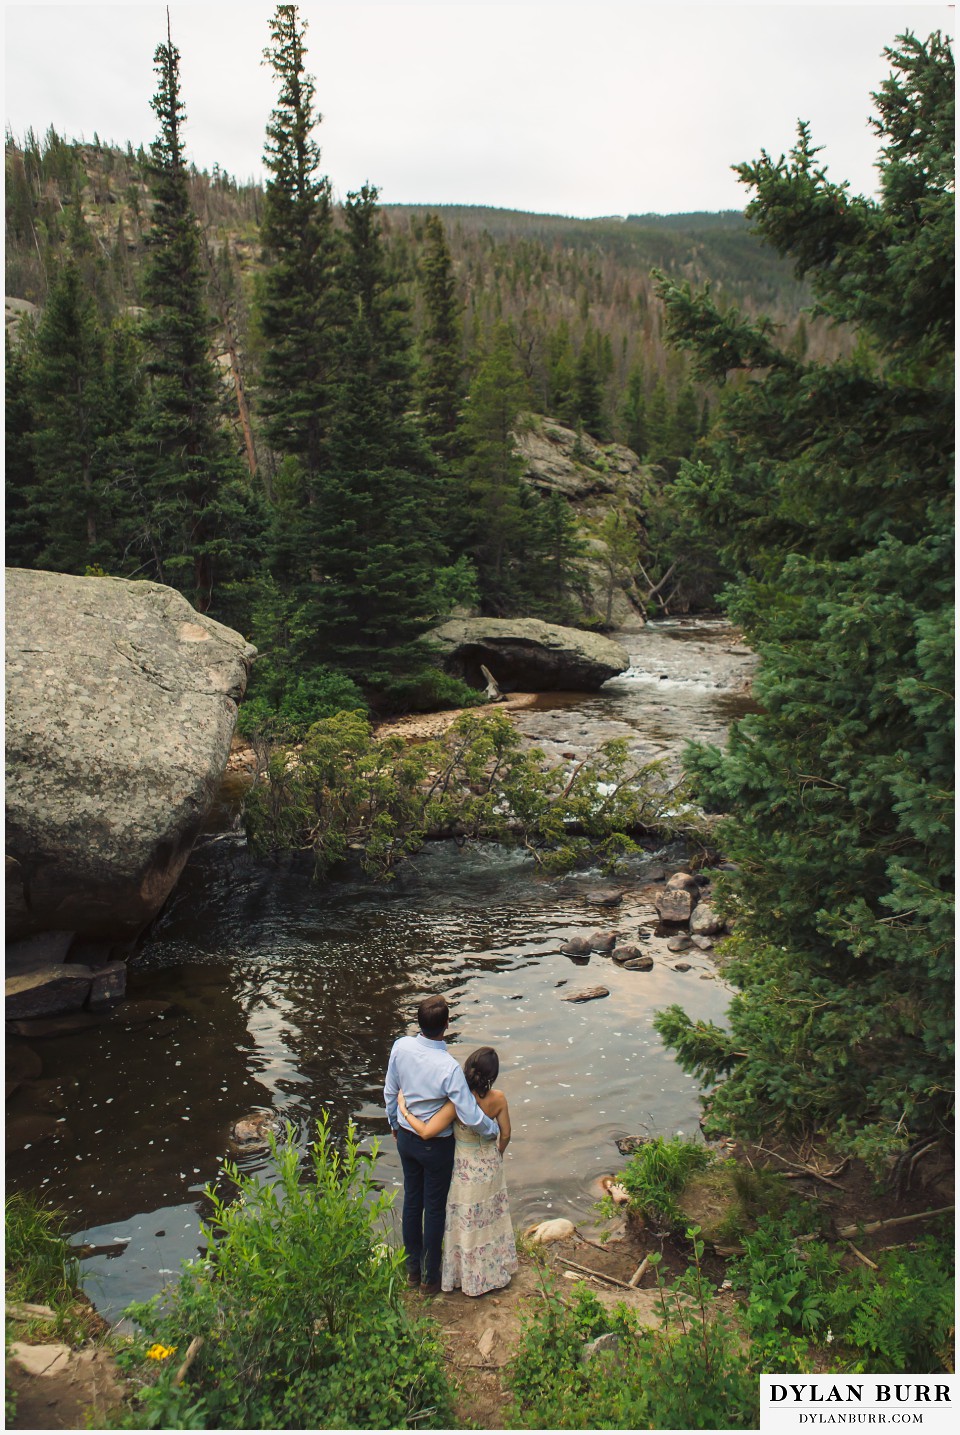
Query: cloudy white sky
{"type": "Point", "coordinates": [584, 109]}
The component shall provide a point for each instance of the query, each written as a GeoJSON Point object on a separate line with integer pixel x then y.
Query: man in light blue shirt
{"type": "Point", "coordinates": [426, 1073]}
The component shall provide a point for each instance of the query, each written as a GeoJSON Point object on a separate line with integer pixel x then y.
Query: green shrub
{"type": "Point", "coordinates": [299, 1310]}
{"type": "Point", "coordinates": [798, 1291]}
{"type": "Point", "coordinates": [287, 712]}
{"type": "Point", "coordinates": [656, 1174]}
{"type": "Point", "coordinates": [900, 1317]}
{"type": "Point", "coordinates": [425, 689]}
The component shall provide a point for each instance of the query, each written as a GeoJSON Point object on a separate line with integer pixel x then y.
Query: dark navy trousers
{"type": "Point", "coordinates": [427, 1169]}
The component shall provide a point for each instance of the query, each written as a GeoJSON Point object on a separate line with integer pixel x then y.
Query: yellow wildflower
{"type": "Point", "coordinates": [160, 1352]}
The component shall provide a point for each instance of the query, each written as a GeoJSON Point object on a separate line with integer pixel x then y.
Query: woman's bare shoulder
{"type": "Point", "coordinates": [494, 1101]}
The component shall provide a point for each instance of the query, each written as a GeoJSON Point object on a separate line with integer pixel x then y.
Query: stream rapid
{"type": "Point", "coordinates": [286, 997]}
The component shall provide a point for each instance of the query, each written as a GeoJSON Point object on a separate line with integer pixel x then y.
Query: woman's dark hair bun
{"type": "Point", "coordinates": [481, 1069]}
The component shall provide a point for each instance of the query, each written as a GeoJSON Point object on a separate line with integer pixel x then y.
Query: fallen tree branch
{"type": "Point", "coordinates": [868, 1227]}
{"type": "Point", "coordinates": [807, 1170]}
{"type": "Point", "coordinates": [638, 1273]}
{"type": "Point", "coordinates": [861, 1257]}
{"type": "Point", "coordinates": [599, 1275]}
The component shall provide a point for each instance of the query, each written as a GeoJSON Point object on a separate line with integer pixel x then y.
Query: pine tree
{"type": "Point", "coordinates": [658, 424]}
{"type": "Point", "coordinates": [442, 374]}
{"type": "Point", "coordinates": [495, 523]}
{"type": "Point", "coordinates": [24, 520]}
{"type": "Point", "coordinates": [67, 394]}
{"type": "Point", "coordinates": [633, 414]}
{"type": "Point", "coordinates": [299, 309]}
{"type": "Point", "coordinates": [828, 489]}
{"type": "Point", "coordinates": [588, 390]}
{"type": "Point", "coordinates": [372, 516]}
{"type": "Point", "coordinates": [191, 479]}
{"type": "Point", "coordinates": [686, 423]}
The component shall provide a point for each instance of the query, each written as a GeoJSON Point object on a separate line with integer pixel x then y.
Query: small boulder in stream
{"type": "Point", "coordinates": [121, 703]}
{"type": "Point", "coordinates": [526, 655]}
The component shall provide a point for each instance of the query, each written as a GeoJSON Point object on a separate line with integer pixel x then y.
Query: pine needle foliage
{"type": "Point", "coordinates": [828, 488]}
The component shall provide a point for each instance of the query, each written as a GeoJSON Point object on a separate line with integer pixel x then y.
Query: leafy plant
{"type": "Point", "coordinates": [656, 1174]}
{"type": "Point", "coordinates": [688, 1374]}
{"type": "Point", "coordinates": [346, 789]}
{"type": "Point", "coordinates": [298, 1309]}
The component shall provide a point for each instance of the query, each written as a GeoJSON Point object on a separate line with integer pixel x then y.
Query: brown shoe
{"type": "Point", "coordinates": [431, 1288]}
{"type": "Point", "coordinates": [413, 1280]}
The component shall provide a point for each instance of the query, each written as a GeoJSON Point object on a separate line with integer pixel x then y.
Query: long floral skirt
{"type": "Point", "coordinates": [479, 1250]}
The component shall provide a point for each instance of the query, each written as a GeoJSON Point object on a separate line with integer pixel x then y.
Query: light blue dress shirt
{"type": "Point", "coordinates": [428, 1076]}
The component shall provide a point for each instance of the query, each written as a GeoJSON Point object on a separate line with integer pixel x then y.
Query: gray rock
{"type": "Point", "coordinates": [609, 897]}
{"type": "Point", "coordinates": [526, 655]}
{"type": "Point", "coordinates": [608, 1341]}
{"type": "Point", "coordinates": [639, 964]}
{"type": "Point", "coordinates": [704, 944]}
{"type": "Point", "coordinates": [121, 703]}
{"type": "Point", "coordinates": [684, 880]}
{"type": "Point", "coordinates": [705, 921]}
{"type": "Point", "coordinates": [589, 994]}
{"type": "Point", "coordinates": [48, 991]}
{"type": "Point", "coordinates": [603, 941]}
{"type": "Point", "coordinates": [675, 904]}
{"type": "Point", "coordinates": [679, 944]}
{"type": "Point", "coordinates": [626, 953]}
{"type": "Point", "coordinates": [681, 966]}
{"type": "Point", "coordinates": [576, 947]}
{"type": "Point", "coordinates": [45, 949]}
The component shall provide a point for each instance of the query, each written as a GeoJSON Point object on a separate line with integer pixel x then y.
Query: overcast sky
{"type": "Point", "coordinates": [564, 109]}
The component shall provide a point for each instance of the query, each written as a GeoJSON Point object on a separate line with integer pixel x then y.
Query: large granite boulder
{"type": "Point", "coordinates": [525, 655]}
{"type": "Point", "coordinates": [121, 703]}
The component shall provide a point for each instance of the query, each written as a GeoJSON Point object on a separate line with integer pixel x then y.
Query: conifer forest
{"type": "Point", "coordinates": [301, 413]}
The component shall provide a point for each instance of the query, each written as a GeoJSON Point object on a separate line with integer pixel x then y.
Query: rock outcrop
{"type": "Point", "coordinates": [526, 655]}
{"type": "Point", "coordinates": [595, 479]}
{"type": "Point", "coordinates": [121, 703]}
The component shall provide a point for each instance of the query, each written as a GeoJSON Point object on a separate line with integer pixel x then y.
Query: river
{"type": "Point", "coordinates": [287, 996]}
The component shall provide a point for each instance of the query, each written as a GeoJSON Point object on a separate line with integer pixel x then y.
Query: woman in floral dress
{"type": "Point", "coordinates": [479, 1249]}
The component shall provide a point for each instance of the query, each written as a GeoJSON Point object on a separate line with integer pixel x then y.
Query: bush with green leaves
{"type": "Point", "coordinates": [346, 790]}
{"type": "Point", "coordinates": [298, 1309]}
{"type": "Point", "coordinates": [303, 700]}
{"type": "Point", "coordinates": [687, 1373]}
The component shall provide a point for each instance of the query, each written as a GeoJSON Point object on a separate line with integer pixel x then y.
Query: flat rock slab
{"type": "Point", "coordinates": [121, 703]}
{"type": "Point", "coordinates": [589, 994]}
{"type": "Point", "coordinates": [527, 655]}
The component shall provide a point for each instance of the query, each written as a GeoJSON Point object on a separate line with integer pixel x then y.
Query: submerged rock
{"type": "Point", "coordinates": [589, 994]}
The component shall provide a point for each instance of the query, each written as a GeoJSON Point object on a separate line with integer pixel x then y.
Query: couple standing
{"type": "Point", "coordinates": [451, 1128]}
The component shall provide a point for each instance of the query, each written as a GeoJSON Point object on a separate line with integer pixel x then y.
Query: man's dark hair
{"type": "Point", "coordinates": [433, 1014]}
{"type": "Point", "coordinates": [481, 1069]}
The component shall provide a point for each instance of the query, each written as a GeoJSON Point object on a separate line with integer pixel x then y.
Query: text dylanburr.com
{"type": "Point", "coordinates": [818, 1402]}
